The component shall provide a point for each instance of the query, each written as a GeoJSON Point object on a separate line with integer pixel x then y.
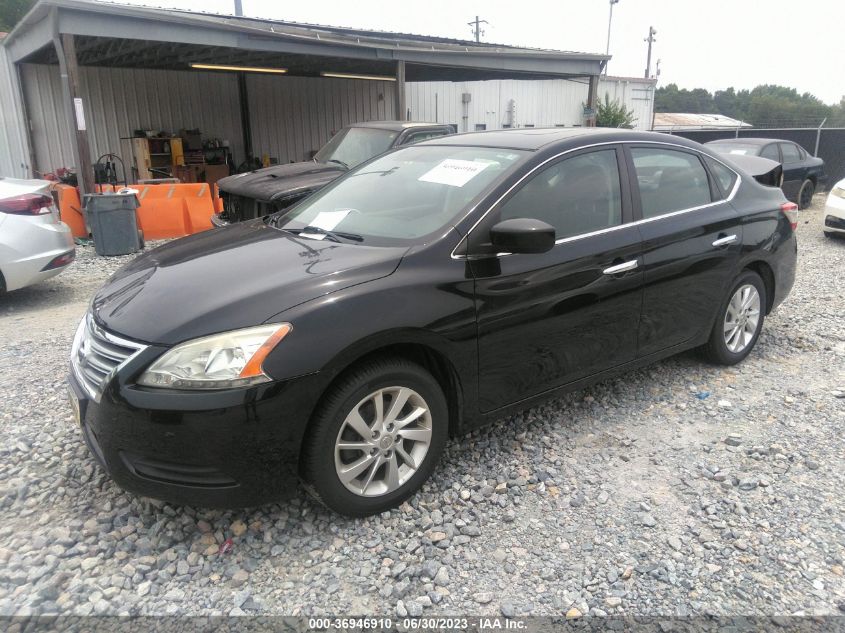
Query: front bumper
{"type": "Point", "coordinates": [233, 448]}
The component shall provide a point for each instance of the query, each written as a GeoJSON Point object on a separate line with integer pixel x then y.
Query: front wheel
{"type": "Point", "coordinates": [805, 194]}
{"type": "Point", "coordinates": [740, 321]}
{"type": "Point", "coordinates": [375, 438]}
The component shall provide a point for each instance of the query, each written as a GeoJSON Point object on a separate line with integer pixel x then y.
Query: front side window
{"type": "Point", "coordinates": [576, 195]}
{"type": "Point", "coordinates": [354, 145]}
{"type": "Point", "coordinates": [790, 153]}
{"type": "Point", "coordinates": [400, 197]}
{"type": "Point", "coordinates": [669, 180]}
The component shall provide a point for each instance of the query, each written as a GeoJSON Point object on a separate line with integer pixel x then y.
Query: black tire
{"type": "Point", "coordinates": [805, 194]}
{"type": "Point", "coordinates": [716, 349]}
{"type": "Point", "coordinates": [830, 234]}
{"type": "Point", "coordinates": [318, 455]}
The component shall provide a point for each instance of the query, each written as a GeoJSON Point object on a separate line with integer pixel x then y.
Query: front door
{"type": "Point", "coordinates": [545, 320]}
{"type": "Point", "coordinates": [691, 243]}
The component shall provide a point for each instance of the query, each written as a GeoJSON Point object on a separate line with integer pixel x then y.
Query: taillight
{"type": "Point", "coordinates": [27, 204]}
{"type": "Point", "coordinates": [790, 210]}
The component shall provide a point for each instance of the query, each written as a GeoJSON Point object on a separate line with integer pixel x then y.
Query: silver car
{"type": "Point", "coordinates": [34, 243]}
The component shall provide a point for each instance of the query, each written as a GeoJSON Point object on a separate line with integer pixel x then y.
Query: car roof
{"type": "Point", "coordinates": [395, 125]}
{"type": "Point", "coordinates": [536, 138]}
{"type": "Point", "coordinates": [748, 141]}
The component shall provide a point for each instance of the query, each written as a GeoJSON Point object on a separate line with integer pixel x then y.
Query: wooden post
{"type": "Point", "coordinates": [69, 69]}
{"type": "Point", "coordinates": [592, 99]}
{"type": "Point", "coordinates": [400, 90]}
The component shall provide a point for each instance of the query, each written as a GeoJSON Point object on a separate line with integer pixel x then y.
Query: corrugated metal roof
{"type": "Point", "coordinates": [692, 121]}
{"type": "Point", "coordinates": [322, 33]}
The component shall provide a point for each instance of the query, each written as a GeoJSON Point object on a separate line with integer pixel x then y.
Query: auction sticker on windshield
{"type": "Point", "coordinates": [453, 172]}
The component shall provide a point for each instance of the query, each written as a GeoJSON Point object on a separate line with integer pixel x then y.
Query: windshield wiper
{"type": "Point", "coordinates": [334, 236]}
{"type": "Point", "coordinates": [339, 162]}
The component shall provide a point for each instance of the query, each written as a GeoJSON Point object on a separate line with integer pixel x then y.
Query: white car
{"type": "Point", "coordinates": [834, 210]}
{"type": "Point", "coordinates": [34, 243]}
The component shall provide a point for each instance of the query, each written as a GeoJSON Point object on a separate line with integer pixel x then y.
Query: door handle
{"type": "Point", "coordinates": [621, 268]}
{"type": "Point", "coordinates": [723, 241]}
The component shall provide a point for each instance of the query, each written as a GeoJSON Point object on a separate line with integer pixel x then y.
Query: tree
{"type": "Point", "coordinates": [614, 114]}
{"type": "Point", "coordinates": [11, 12]}
{"type": "Point", "coordinates": [765, 105]}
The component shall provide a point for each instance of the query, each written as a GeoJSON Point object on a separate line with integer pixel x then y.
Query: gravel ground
{"type": "Point", "coordinates": [637, 496]}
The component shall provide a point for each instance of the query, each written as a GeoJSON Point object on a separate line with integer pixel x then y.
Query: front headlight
{"type": "Point", "coordinates": [220, 361]}
{"type": "Point", "coordinates": [839, 192]}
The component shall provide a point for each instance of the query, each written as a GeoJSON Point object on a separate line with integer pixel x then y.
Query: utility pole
{"type": "Point", "coordinates": [609, 22]}
{"type": "Point", "coordinates": [239, 8]}
{"type": "Point", "coordinates": [476, 27]}
{"type": "Point", "coordinates": [651, 40]}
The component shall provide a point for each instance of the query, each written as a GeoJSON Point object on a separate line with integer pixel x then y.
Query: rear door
{"type": "Point", "coordinates": [548, 319]}
{"type": "Point", "coordinates": [691, 242]}
{"type": "Point", "coordinates": [794, 170]}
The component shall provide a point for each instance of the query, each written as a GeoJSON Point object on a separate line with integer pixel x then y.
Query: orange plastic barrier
{"type": "Point", "coordinates": [167, 210]}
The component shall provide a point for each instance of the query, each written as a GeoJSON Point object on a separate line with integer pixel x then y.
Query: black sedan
{"type": "Point", "coordinates": [424, 293]}
{"type": "Point", "coordinates": [802, 173]}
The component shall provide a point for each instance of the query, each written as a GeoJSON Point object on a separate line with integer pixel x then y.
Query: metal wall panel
{"type": "Point", "coordinates": [292, 117]}
{"type": "Point", "coordinates": [119, 101]}
{"type": "Point", "coordinates": [14, 151]}
{"type": "Point", "coordinates": [637, 95]}
{"type": "Point", "coordinates": [521, 103]}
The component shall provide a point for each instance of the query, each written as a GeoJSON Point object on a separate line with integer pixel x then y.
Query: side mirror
{"type": "Point", "coordinates": [522, 235]}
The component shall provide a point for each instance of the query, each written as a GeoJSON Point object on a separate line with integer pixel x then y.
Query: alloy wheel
{"type": "Point", "coordinates": [383, 441]}
{"type": "Point", "coordinates": [741, 318]}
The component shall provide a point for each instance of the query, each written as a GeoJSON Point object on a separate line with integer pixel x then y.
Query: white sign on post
{"type": "Point", "coordinates": [80, 113]}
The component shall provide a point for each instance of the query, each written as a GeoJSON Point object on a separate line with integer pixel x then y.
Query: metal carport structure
{"type": "Point", "coordinates": [75, 34]}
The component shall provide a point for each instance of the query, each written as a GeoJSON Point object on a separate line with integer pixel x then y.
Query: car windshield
{"type": "Point", "coordinates": [400, 197]}
{"type": "Point", "coordinates": [735, 148]}
{"type": "Point", "coordinates": [353, 145]}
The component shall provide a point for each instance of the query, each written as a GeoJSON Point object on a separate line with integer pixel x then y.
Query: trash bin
{"type": "Point", "coordinates": [111, 217]}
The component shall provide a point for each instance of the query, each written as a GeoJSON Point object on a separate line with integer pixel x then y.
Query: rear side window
{"type": "Point", "coordinates": [724, 176]}
{"type": "Point", "coordinates": [669, 180]}
{"type": "Point", "coordinates": [577, 195]}
{"type": "Point", "coordinates": [790, 153]}
{"type": "Point", "coordinates": [771, 152]}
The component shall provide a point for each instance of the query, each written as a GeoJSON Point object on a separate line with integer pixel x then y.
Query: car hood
{"type": "Point", "coordinates": [281, 180]}
{"type": "Point", "coordinates": [229, 278]}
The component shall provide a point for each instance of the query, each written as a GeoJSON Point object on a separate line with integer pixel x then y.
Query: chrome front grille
{"type": "Point", "coordinates": [96, 356]}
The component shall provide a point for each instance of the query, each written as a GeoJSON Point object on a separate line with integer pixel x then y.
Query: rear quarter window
{"type": "Point", "coordinates": [725, 178]}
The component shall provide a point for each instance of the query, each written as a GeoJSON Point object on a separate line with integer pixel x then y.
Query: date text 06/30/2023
{"type": "Point", "coordinates": [414, 624]}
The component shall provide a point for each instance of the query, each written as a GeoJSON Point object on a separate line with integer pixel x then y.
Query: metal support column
{"type": "Point", "coordinates": [400, 91]}
{"type": "Point", "coordinates": [592, 100]}
{"type": "Point", "coordinates": [69, 69]}
{"type": "Point", "coordinates": [246, 124]}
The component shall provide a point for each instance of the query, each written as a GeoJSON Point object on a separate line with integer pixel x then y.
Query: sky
{"type": "Point", "coordinates": [710, 44]}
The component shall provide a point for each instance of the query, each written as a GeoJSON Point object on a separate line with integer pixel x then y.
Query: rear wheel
{"type": "Point", "coordinates": [740, 321]}
{"type": "Point", "coordinates": [805, 194]}
{"type": "Point", "coordinates": [376, 438]}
